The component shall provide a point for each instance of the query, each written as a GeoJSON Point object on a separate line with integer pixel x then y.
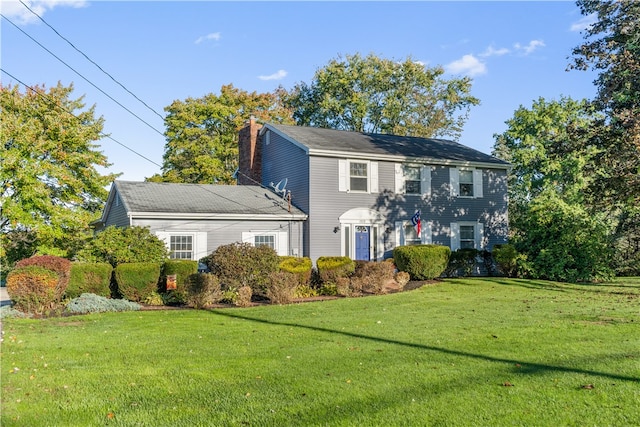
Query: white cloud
{"type": "Point", "coordinates": [531, 47]}
{"type": "Point", "coordinates": [14, 10]}
{"type": "Point", "coordinates": [210, 36]}
{"type": "Point", "coordinates": [468, 65]}
{"type": "Point", "coordinates": [491, 51]}
{"type": "Point", "coordinates": [584, 23]}
{"type": "Point", "coordinates": [280, 74]}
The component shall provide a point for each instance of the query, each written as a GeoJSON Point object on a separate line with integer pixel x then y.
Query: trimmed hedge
{"type": "Point", "coordinates": [422, 262]}
{"type": "Point", "coordinates": [61, 266]}
{"type": "Point", "coordinates": [183, 269]}
{"type": "Point", "coordinates": [89, 277]}
{"type": "Point", "coordinates": [137, 280]}
{"type": "Point", "coordinates": [33, 288]}
{"type": "Point", "coordinates": [462, 262]}
{"type": "Point", "coordinates": [332, 268]}
{"type": "Point", "coordinates": [300, 266]}
{"type": "Point", "coordinates": [202, 289]}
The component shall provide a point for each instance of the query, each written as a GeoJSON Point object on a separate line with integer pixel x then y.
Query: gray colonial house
{"type": "Point", "coordinates": [321, 192]}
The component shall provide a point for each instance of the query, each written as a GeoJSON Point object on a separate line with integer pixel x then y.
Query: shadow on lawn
{"type": "Point", "coordinates": [529, 367]}
{"type": "Point", "coordinates": [612, 288]}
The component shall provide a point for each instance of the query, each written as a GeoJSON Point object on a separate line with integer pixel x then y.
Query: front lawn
{"type": "Point", "coordinates": [461, 352]}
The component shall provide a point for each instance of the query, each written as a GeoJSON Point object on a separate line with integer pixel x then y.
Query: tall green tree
{"type": "Point", "coordinates": [563, 236]}
{"type": "Point", "coordinates": [372, 94]}
{"type": "Point", "coordinates": [202, 133]}
{"type": "Point", "coordinates": [50, 188]}
{"type": "Point", "coordinates": [612, 48]}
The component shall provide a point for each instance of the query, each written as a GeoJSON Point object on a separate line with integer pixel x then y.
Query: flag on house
{"type": "Point", "coordinates": [415, 220]}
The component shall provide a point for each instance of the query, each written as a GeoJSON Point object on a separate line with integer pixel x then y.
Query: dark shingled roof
{"type": "Point", "coordinates": [386, 145]}
{"type": "Point", "coordinates": [201, 199]}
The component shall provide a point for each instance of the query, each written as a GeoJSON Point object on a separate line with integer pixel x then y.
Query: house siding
{"type": "Point", "coordinates": [117, 215]}
{"type": "Point", "coordinates": [222, 232]}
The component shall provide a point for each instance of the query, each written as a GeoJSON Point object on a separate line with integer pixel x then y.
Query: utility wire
{"type": "Point", "coordinates": [87, 80]}
{"type": "Point", "coordinates": [90, 60]}
{"type": "Point", "coordinates": [48, 98]}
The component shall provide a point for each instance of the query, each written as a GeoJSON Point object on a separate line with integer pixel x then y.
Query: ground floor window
{"type": "Point", "coordinates": [265, 240]}
{"type": "Point", "coordinates": [276, 240]}
{"type": "Point", "coordinates": [467, 235]}
{"type": "Point", "coordinates": [181, 247]}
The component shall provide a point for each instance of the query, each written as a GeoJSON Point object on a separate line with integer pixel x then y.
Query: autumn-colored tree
{"type": "Point", "coordinates": [50, 189]}
{"type": "Point", "coordinates": [202, 134]}
{"type": "Point", "coordinates": [376, 95]}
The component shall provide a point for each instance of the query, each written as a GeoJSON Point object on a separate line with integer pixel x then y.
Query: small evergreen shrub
{"type": "Point", "coordinates": [300, 266]}
{"type": "Point", "coordinates": [422, 262]}
{"type": "Point", "coordinates": [89, 277]}
{"type": "Point", "coordinates": [61, 266]}
{"type": "Point", "coordinates": [462, 262]}
{"type": "Point", "coordinates": [305, 291]}
{"type": "Point", "coordinates": [330, 269]}
{"type": "Point", "coordinates": [241, 264]}
{"type": "Point", "coordinates": [33, 289]}
{"type": "Point", "coordinates": [7, 311]}
{"type": "Point", "coordinates": [510, 261]}
{"type": "Point", "coordinates": [154, 299]}
{"type": "Point", "coordinates": [243, 298]}
{"type": "Point", "coordinates": [91, 303]}
{"type": "Point", "coordinates": [203, 289]}
{"type": "Point", "coordinates": [137, 280]}
{"type": "Point", "coordinates": [282, 287]}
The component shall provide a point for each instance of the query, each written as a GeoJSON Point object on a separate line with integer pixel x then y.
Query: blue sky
{"type": "Point", "coordinates": [163, 51]}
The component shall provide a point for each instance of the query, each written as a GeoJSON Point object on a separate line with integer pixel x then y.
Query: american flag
{"type": "Point", "coordinates": [415, 220]}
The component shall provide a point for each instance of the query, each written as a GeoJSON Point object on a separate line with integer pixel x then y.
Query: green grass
{"type": "Point", "coordinates": [468, 352]}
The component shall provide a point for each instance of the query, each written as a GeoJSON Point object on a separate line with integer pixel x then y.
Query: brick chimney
{"type": "Point", "coordinates": [250, 154]}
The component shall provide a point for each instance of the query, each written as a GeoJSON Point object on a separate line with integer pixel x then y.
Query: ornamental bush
{"type": "Point", "coordinates": [510, 261]}
{"type": "Point", "coordinates": [182, 269]}
{"type": "Point", "coordinates": [300, 266]}
{"type": "Point", "coordinates": [241, 264]}
{"type": "Point", "coordinates": [422, 262]}
{"type": "Point", "coordinates": [282, 287]}
{"type": "Point", "coordinates": [92, 303]}
{"type": "Point", "coordinates": [137, 280]}
{"type": "Point", "coordinates": [33, 289]}
{"type": "Point", "coordinates": [330, 269]}
{"type": "Point", "coordinates": [202, 290]}
{"type": "Point", "coordinates": [372, 277]}
{"type": "Point", "coordinates": [89, 277]}
{"type": "Point", "coordinates": [462, 262]}
{"type": "Point", "coordinates": [61, 266]}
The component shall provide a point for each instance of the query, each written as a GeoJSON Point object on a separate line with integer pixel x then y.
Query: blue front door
{"type": "Point", "coordinates": [362, 243]}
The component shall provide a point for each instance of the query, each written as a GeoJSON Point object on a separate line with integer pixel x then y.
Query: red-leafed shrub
{"type": "Point", "coordinates": [33, 288]}
{"type": "Point", "coordinates": [61, 266]}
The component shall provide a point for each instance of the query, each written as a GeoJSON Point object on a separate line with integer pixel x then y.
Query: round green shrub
{"type": "Point", "coordinates": [300, 266]}
{"type": "Point", "coordinates": [422, 262]}
{"type": "Point", "coordinates": [89, 277]}
{"type": "Point", "coordinates": [33, 289]}
{"type": "Point", "coordinates": [137, 280]}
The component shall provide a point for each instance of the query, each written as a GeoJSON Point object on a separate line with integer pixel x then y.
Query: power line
{"type": "Point", "coordinates": [90, 60]}
{"type": "Point", "coordinates": [44, 95]}
{"type": "Point", "coordinates": [87, 80]}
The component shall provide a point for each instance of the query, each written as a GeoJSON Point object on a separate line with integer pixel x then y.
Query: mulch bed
{"type": "Point", "coordinates": [410, 286]}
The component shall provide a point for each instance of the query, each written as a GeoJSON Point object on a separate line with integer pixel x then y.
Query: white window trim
{"type": "Point", "coordinates": [199, 241]}
{"type": "Point", "coordinates": [425, 232]}
{"type": "Point", "coordinates": [425, 179]}
{"type": "Point", "coordinates": [455, 234]}
{"type": "Point", "coordinates": [281, 240]}
{"type": "Point", "coordinates": [344, 176]}
{"type": "Point", "coordinates": [454, 182]}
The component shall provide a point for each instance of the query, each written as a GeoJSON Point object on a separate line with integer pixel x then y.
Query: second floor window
{"type": "Point", "coordinates": [358, 177]}
{"type": "Point", "coordinates": [466, 183]}
{"type": "Point", "coordinates": [412, 180]}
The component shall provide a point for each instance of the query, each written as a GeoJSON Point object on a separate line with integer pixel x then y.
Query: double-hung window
{"type": "Point", "coordinates": [358, 176]}
{"type": "Point", "coordinates": [407, 233]}
{"type": "Point", "coordinates": [465, 182]}
{"type": "Point", "coordinates": [181, 246]}
{"type": "Point", "coordinates": [467, 235]}
{"type": "Point", "coordinates": [265, 240]}
{"type": "Point", "coordinates": [413, 179]}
